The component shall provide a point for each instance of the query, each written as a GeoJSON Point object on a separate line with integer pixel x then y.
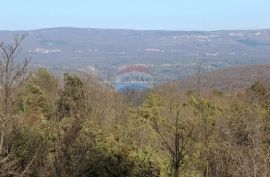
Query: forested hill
{"type": "Point", "coordinates": [229, 79]}
{"type": "Point", "coordinates": [72, 126]}
{"type": "Point", "coordinates": [171, 54]}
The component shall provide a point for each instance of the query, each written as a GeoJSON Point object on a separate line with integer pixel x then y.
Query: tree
{"type": "Point", "coordinates": [33, 100]}
{"type": "Point", "coordinates": [94, 154]}
{"type": "Point", "coordinates": [72, 100]}
{"type": "Point", "coordinates": [48, 84]}
{"type": "Point", "coordinates": [46, 81]}
{"type": "Point", "coordinates": [12, 75]}
{"type": "Point", "coordinates": [174, 124]}
{"type": "Point", "coordinates": [71, 111]}
{"type": "Point", "coordinates": [199, 76]}
{"type": "Point", "coordinates": [207, 115]}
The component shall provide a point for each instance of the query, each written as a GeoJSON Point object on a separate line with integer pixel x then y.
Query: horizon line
{"type": "Point", "coordinates": [133, 29]}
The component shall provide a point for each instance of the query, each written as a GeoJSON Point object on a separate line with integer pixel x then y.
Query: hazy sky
{"type": "Point", "coordinates": [135, 14]}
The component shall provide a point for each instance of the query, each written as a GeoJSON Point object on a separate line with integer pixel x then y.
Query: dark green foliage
{"type": "Point", "coordinates": [102, 159]}
{"type": "Point", "coordinates": [31, 147]}
{"type": "Point", "coordinates": [49, 85]}
{"type": "Point", "coordinates": [205, 110]}
{"type": "Point", "coordinates": [32, 99]}
{"type": "Point", "coordinates": [92, 161]}
{"type": "Point", "coordinates": [72, 99]}
{"type": "Point", "coordinates": [46, 81]}
{"type": "Point", "coordinates": [99, 133]}
{"type": "Point", "coordinates": [258, 88]}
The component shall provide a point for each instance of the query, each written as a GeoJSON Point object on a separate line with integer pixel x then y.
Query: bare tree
{"type": "Point", "coordinates": [174, 123]}
{"type": "Point", "coordinates": [12, 75]}
{"type": "Point", "coordinates": [199, 76]}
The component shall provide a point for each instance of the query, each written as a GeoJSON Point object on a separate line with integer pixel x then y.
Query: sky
{"type": "Point", "coordinates": [135, 14]}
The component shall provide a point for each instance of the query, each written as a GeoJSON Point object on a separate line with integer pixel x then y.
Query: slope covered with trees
{"type": "Point", "coordinates": [76, 127]}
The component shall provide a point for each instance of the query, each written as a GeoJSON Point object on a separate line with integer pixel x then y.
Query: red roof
{"type": "Point", "coordinates": [131, 68]}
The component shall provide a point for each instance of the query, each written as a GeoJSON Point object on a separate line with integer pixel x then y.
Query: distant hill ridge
{"type": "Point", "coordinates": [169, 54]}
